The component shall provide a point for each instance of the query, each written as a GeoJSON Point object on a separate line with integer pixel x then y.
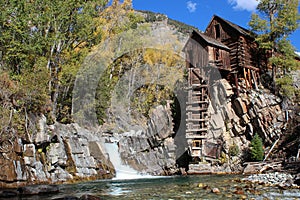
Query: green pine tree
{"type": "Point", "coordinates": [256, 148]}
{"type": "Point", "coordinates": [276, 20]}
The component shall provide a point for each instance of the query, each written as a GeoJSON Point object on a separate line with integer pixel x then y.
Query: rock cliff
{"type": "Point", "coordinates": [151, 150]}
{"type": "Point", "coordinates": [55, 154]}
{"type": "Point", "coordinates": [233, 121]}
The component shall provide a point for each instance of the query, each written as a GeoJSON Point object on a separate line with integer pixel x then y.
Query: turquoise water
{"type": "Point", "coordinates": [180, 187]}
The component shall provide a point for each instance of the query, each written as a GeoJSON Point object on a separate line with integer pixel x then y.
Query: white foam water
{"type": "Point", "coordinates": [123, 171]}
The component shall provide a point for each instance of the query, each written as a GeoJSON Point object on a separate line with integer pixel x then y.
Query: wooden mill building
{"type": "Point", "coordinates": [224, 50]}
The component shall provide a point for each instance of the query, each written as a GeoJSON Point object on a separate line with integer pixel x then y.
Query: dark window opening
{"type": "Point", "coordinates": [217, 31]}
{"type": "Point", "coordinates": [197, 143]}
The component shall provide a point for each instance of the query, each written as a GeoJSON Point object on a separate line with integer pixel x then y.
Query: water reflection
{"type": "Point", "coordinates": [189, 187]}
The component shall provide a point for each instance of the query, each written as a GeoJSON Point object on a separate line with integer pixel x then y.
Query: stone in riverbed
{"type": "Point", "coordinates": [67, 198]}
{"type": "Point", "coordinates": [239, 191]}
{"type": "Point", "coordinates": [215, 190]}
{"type": "Point", "coordinates": [89, 197]}
{"type": "Point", "coordinates": [83, 197]}
{"type": "Point", "coordinates": [8, 194]}
{"type": "Point", "coordinates": [38, 189]}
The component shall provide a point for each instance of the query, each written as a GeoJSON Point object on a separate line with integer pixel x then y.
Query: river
{"type": "Point", "coordinates": [176, 187]}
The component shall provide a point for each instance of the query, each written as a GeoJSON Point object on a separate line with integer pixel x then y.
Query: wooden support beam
{"type": "Point", "coordinates": [236, 84]}
{"type": "Point", "coordinates": [254, 79]}
{"type": "Point", "coordinates": [249, 78]}
{"type": "Point", "coordinates": [197, 102]}
{"type": "Point", "coordinates": [197, 120]}
{"type": "Point", "coordinates": [245, 78]}
{"type": "Point", "coordinates": [197, 130]}
{"type": "Point", "coordinates": [196, 137]}
{"type": "Point", "coordinates": [198, 75]}
{"type": "Point", "coordinates": [199, 85]}
{"type": "Point", "coordinates": [252, 68]}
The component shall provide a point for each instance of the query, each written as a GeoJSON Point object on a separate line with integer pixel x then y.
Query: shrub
{"type": "Point", "coordinates": [256, 148]}
{"type": "Point", "coordinates": [234, 150]}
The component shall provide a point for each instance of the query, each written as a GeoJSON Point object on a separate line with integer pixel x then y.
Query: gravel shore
{"type": "Point", "coordinates": [277, 178]}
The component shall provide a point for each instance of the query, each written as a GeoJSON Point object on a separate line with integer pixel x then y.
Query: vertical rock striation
{"type": "Point", "coordinates": [151, 150]}
{"type": "Point", "coordinates": [59, 153]}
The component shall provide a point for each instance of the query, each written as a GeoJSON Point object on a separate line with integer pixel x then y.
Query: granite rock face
{"type": "Point", "coordinates": [235, 120]}
{"type": "Point", "coordinates": [150, 150]}
{"type": "Point", "coordinates": [60, 153]}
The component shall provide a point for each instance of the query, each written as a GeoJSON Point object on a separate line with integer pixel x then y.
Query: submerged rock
{"type": "Point", "coordinates": [38, 189]}
{"type": "Point", "coordinates": [215, 190]}
{"type": "Point", "coordinates": [8, 193]}
{"type": "Point", "coordinates": [83, 197]}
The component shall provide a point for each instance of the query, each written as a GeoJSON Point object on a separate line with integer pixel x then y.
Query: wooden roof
{"type": "Point", "coordinates": [236, 27]}
{"type": "Point", "coordinates": [211, 41]}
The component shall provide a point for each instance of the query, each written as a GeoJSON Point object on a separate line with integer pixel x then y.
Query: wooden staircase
{"type": "Point", "coordinates": [197, 111]}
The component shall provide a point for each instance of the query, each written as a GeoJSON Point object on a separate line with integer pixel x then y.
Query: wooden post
{"type": "Point", "coordinates": [271, 149]}
{"type": "Point", "coordinates": [245, 77]}
{"type": "Point", "coordinates": [298, 154]}
{"type": "Point", "coordinates": [236, 83]}
{"type": "Point", "coordinates": [254, 79]}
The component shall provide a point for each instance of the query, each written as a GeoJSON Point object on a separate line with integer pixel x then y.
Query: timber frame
{"type": "Point", "coordinates": [233, 52]}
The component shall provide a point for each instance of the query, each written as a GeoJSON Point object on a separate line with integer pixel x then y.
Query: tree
{"type": "Point", "coordinates": [256, 148]}
{"type": "Point", "coordinates": [50, 30]}
{"type": "Point", "coordinates": [277, 20]}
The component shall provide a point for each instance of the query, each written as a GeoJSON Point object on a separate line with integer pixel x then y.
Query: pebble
{"type": "Point", "coordinates": [200, 185]}
{"type": "Point", "coordinates": [276, 178]}
{"type": "Point", "coordinates": [239, 191]}
{"type": "Point", "coordinates": [215, 190]}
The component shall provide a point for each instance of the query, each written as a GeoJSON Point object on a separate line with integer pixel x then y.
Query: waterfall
{"type": "Point", "coordinates": [122, 171]}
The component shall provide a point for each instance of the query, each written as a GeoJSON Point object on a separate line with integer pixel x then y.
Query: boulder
{"type": "Point", "coordinates": [8, 193]}
{"type": "Point", "coordinates": [29, 150]}
{"type": "Point", "coordinates": [42, 135]}
{"type": "Point", "coordinates": [239, 106]}
{"type": "Point", "coordinates": [7, 172]}
{"type": "Point", "coordinates": [38, 189]}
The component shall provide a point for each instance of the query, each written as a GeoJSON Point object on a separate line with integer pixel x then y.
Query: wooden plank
{"type": "Point", "coordinates": [199, 85]}
{"type": "Point", "coordinates": [245, 77]}
{"type": "Point", "coordinates": [249, 78]}
{"type": "Point", "coordinates": [254, 79]}
{"type": "Point", "coordinates": [196, 137]}
{"type": "Point", "coordinates": [252, 68]}
{"type": "Point", "coordinates": [197, 102]}
{"type": "Point", "coordinates": [198, 108]}
{"type": "Point", "coordinates": [197, 130]}
{"type": "Point", "coordinates": [197, 120]}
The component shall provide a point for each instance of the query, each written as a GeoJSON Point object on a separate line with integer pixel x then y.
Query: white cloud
{"type": "Point", "coordinates": [191, 6]}
{"type": "Point", "coordinates": [298, 53]}
{"type": "Point", "coordinates": [249, 5]}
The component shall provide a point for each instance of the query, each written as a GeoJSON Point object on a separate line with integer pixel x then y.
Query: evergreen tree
{"type": "Point", "coordinates": [276, 20]}
{"type": "Point", "coordinates": [256, 148]}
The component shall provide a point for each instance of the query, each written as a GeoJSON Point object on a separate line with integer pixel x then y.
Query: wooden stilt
{"type": "Point", "coordinates": [254, 79]}
{"type": "Point", "coordinates": [245, 78]}
{"type": "Point", "coordinates": [249, 78]}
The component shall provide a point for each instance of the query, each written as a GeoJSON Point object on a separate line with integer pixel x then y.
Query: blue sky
{"type": "Point", "coordinates": [198, 13]}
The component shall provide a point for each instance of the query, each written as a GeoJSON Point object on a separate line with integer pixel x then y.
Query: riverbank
{"type": "Point", "coordinates": [282, 180]}
{"type": "Point", "coordinates": [213, 186]}
{"type": "Point", "coordinates": [172, 187]}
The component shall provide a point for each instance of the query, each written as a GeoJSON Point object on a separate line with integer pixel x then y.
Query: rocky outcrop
{"type": "Point", "coordinates": [233, 121]}
{"type": "Point", "coordinates": [254, 111]}
{"type": "Point", "coordinates": [58, 153]}
{"type": "Point", "coordinates": [150, 150]}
